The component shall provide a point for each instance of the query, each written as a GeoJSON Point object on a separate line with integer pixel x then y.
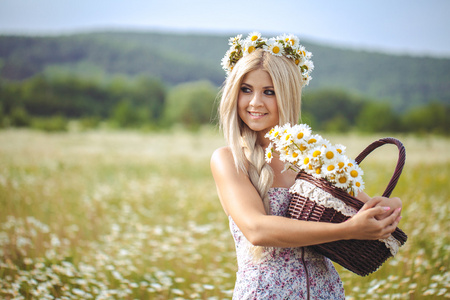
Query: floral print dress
{"type": "Point", "coordinates": [283, 273]}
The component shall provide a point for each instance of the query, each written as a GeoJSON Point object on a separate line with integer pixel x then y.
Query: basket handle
{"type": "Point", "coordinates": [400, 162]}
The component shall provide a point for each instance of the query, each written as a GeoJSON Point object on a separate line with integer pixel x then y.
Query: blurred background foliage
{"type": "Point", "coordinates": [155, 80]}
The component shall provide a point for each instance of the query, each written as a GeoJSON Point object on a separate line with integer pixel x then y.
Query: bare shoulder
{"type": "Point", "coordinates": [222, 162]}
{"type": "Point", "coordinates": [221, 156]}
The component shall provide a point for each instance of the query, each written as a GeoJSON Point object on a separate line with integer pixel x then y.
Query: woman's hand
{"type": "Point", "coordinates": [393, 203]}
{"type": "Point", "coordinates": [369, 223]}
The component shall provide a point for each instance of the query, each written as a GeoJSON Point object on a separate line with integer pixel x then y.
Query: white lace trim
{"type": "Point", "coordinates": [321, 197]}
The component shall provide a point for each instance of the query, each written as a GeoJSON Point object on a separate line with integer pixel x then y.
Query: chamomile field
{"type": "Point", "coordinates": [135, 215]}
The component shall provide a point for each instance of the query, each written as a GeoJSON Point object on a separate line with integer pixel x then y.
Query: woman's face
{"type": "Point", "coordinates": [257, 102]}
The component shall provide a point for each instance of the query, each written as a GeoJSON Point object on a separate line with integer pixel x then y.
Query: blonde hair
{"type": "Point", "coordinates": [247, 153]}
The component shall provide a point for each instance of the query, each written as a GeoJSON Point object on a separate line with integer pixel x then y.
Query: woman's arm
{"type": "Point", "coordinates": [242, 202]}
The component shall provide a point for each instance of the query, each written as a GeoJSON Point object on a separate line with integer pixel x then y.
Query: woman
{"type": "Point", "coordinates": [263, 89]}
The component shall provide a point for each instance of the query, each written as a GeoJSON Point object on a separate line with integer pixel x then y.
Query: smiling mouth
{"type": "Point", "coordinates": [256, 114]}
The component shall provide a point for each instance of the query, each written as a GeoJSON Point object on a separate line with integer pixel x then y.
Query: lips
{"type": "Point", "coordinates": [256, 114]}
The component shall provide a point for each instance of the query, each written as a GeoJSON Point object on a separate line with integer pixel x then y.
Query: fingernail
{"type": "Point", "coordinates": [399, 209]}
{"type": "Point", "coordinates": [386, 208]}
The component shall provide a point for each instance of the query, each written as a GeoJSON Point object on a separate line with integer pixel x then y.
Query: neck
{"type": "Point", "coordinates": [262, 141]}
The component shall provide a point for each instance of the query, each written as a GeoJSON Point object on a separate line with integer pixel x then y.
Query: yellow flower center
{"type": "Point", "coordinates": [288, 137]}
{"type": "Point", "coordinates": [354, 173]}
{"type": "Point", "coordinates": [302, 147]}
{"type": "Point", "coordinates": [318, 170]}
{"type": "Point", "coordinates": [350, 164]}
{"type": "Point", "coordinates": [330, 168]}
{"type": "Point", "coordinates": [358, 184]}
{"type": "Point", "coordinates": [294, 155]}
{"type": "Point", "coordinates": [254, 38]}
{"type": "Point", "coordinates": [342, 179]}
{"type": "Point", "coordinates": [251, 49]}
{"type": "Point", "coordinates": [313, 140]}
{"type": "Point", "coordinates": [316, 153]}
{"type": "Point", "coordinates": [300, 135]}
{"type": "Point", "coordinates": [276, 49]}
{"type": "Point", "coordinates": [276, 133]}
{"type": "Point", "coordinates": [330, 154]}
{"type": "Point", "coordinates": [341, 165]}
{"type": "Point", "coordinates": [297, 61]}
{"type": "Point", "coordinates": [310, 167]}
{"type": "Point", "coordinates": [306, 160]}
{"type": "Point", "coordinates": [269, 155]}
{"type": "Point", "coordinates": [339, 150]}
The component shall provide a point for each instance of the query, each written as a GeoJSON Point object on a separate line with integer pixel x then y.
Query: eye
{"type": "Point", "coordinates": [269, 92]}
{"type": "Point", "coordinates": [246, 90]}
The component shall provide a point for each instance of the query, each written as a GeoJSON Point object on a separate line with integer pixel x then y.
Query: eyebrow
{"type": "Point", "coordinates": [264, 87]}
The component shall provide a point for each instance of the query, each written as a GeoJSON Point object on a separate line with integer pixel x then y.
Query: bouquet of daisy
{"type": "Point", "coordinates": [303, 151]}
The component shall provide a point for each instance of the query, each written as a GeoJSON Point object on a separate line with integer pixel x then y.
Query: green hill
{"type": "Point", "coordinates": [403, 81]}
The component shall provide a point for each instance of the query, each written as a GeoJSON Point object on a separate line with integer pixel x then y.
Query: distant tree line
{"type": "Point", "coordinates": [407, 81]}
{"type": "Point", "coordinates": [49, 103]}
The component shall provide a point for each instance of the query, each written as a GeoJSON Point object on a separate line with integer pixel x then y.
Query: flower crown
{"type": "Point", "coordinates": [286, 44]}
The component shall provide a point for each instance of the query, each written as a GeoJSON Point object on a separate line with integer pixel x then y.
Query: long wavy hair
{"type": "Point", "coordinates": [247, 153]}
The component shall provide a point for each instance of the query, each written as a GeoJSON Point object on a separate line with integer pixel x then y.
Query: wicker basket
{"type": "Point", "coordinates": [359, 256]}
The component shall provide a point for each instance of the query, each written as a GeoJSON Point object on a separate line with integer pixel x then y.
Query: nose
{"type": "Point", "coordinates": [256, 100]}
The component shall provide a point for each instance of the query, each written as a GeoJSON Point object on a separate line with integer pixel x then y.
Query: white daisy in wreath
{"type": "Point", "coordinates": [275, 48]}
{"type": "Point", "coordinates": [254, 36]}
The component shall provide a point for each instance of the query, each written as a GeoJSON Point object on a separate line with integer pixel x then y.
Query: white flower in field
{"type": "Point", "coordinates": [54, 241]}
{"type": "Point", "coordinates": [177, 292]}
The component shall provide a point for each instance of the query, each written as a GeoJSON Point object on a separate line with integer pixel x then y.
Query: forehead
{"type": "Point", "coordinates": [258, 77]}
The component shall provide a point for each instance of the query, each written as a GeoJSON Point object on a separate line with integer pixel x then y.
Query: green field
{"type": "Point", "coordinates": [133, 215]}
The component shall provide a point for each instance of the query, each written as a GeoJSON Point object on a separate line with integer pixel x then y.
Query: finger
{"type": "Point", "coordinates": [394, 218]}
{"type": "Point", "coordinates": [371, 203]}
{"type": "Point", "coordinates": [377, 211]}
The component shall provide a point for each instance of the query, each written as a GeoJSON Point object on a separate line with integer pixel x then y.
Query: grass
{"type": "Point", "coordinates": [129, 215]}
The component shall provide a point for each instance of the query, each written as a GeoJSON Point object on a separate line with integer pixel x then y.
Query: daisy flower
{"type": "Point", "coordinates": [275, 47]}
{"type": "Point", "coordinates": [274, 133]}
{"type": "Point", "coordinates": [235, 40]}
{"type": "Point", "coordinates": [254, 36]}
{"type": "Point", "coordinates": [249, 47]}
{"type": "Point", "coordinates": [340, 148]}
{"type": "Point", "coordinates": [314, 140]}
{"type": "Point", "coordinates": [358, 185]}
{"type": "Point", "coordinates": [342, 180]}
{"type": "Point", "coordinates": [292, 40]}
{"type": "Point", "coordinates": [330, 168]}
{"type": "Point", "coordinates": [269, 153]}
{"type": "Point", "coordinates": [329, 154]}
{"type": "Point", "coordinates": [307, 66]}
{"type": "Point", "coordinates": [306, 80]}
{"type": "Point", "coordinates": [302, 132]}
{"type": "Point", "coordinates": [355, 171]}
{"type": "Point", "coordinates": [342, 162]}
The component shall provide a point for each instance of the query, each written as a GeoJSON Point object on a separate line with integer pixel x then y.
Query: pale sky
{"type": "Point", "coordinates": [397, 26]}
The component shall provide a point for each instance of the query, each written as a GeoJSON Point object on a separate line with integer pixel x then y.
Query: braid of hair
{"type": "Point", "coordinates": [259, 172]}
